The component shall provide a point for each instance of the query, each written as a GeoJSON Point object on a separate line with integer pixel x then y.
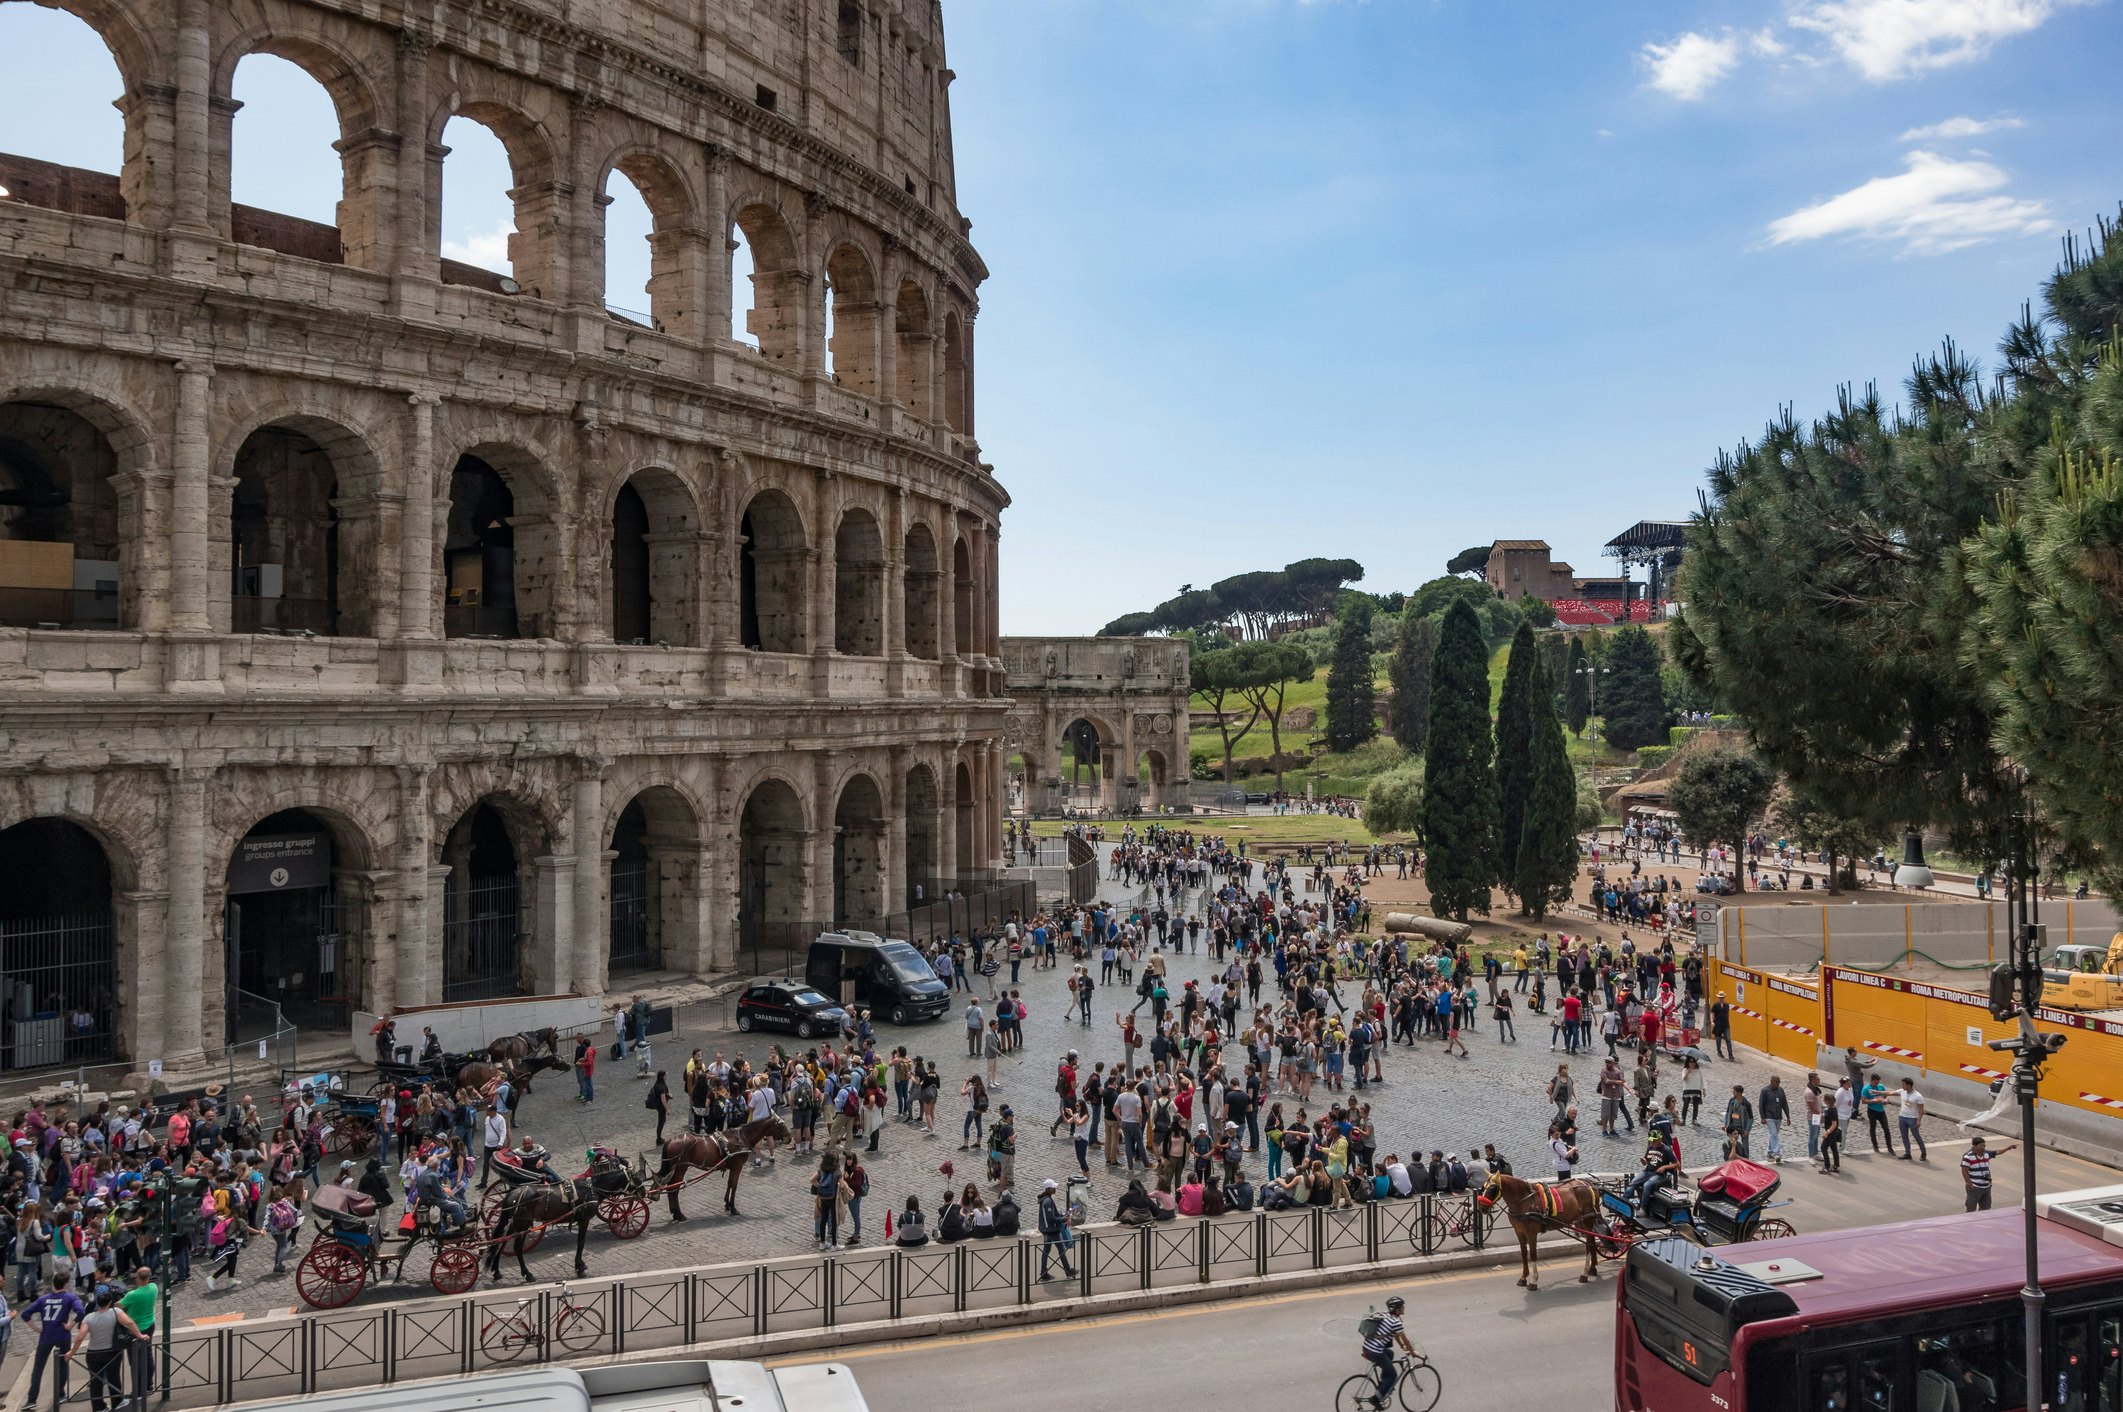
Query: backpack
{"type": "Point", "coordinates": [1062, 1085]}
{"type": "Point", "coordinates": [1367, 1328]}
{"type": "Point", "coordinates": [860, 1180]}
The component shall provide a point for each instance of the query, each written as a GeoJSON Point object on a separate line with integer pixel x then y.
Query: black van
{"type": "Point", "coordinates": [885, 977]}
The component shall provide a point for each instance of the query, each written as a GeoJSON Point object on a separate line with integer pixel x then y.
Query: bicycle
{"type": "Point", "coordinates": [1462, 1217]}
{"type": "Point", "coordinates": [578, 1328]}
{"type": "Point", "coordinates": [1419, 1387]}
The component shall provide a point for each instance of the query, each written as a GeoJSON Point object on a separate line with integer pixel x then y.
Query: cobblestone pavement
{"type": "Point", "coordinates": [1428, 1100]}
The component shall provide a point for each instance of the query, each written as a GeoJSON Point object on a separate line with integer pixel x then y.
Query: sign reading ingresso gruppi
{"type": "Point", "coordinates": [281, 863]}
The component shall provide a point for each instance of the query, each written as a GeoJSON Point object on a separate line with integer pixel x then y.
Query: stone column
{"type": "Point", "coordinates": [812, 329]}
{"type": "Point", "coordinates": [551, 947]}
{"type": "Point", "coordinates": [190, 494]}
{"type": "Point", "coordinates": [715, 291]}
{"type": "Point", "coordinates": [182, 1044]}
{"type": "Point", "coordinates": [825, 588]}
{"type": "Point", "coordinates": [416, 553]}
{"type": "Point", "coordinates": [593, 923]}
{"type": "Point", "coordinates": [192, 182]}
{"type": "Point", "coordinates": [415, 968]}
{"type": "Point", "coordinates": [718, 894]}
{"type": "Point", "coordinates": [418, 163]}
{"type": "Point", "coordinates": [894, 862]}
{"type": "Point", "coordinates": [947, 821]}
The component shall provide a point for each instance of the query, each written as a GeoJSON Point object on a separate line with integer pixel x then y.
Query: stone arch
{"type": "Point", "coordinates": [775, 317]}
{"type": "Point", "coordinates": [852, 318]}
{"type": "Point", "coordinates": [915, 361]}
{"type": "Point", "coordinates": [653, 885]}
{"type": "Point", "coordinates": [60, 943]}
{"type": "Point", "coordinates": [773, 838]}
{"type": "Point", "coordinates": [654, 574]}
{"type": "Point", "coordinates": [501, 552]}
{"type": "Point", "coordinates": [299, 537]}
{"type": "Point", "coordinates": [66, 483]}
{"type": "Point", "coordinates": [294, 886]}
{"type": "Point", "coordinates": [922, 592]}
{"type": "Point", "coordinates": [858, 585]}
{"type": "Point", "coordinates": [490, 899]}
{"type": "Point", "coordinates": [962, 597]}
{"type": "Point", "coordinates": [773, 601]}
{"type": "Point", "coordinates": [536, 243]}
{"type": "Point", "coordinates": [858, 866]}
{"type": "Point", "coordinates": [132, 190]}
{"type": "Point", "coordinates": [357, 233]}
{"type": "Point", "coordinates": [676, 289]}
{"type": "Point", "coordinates": [966, 802]}
{"type": "Point", "coordinates": [957, 374]}
{"type": "Point", "coordinates": [923, 865]}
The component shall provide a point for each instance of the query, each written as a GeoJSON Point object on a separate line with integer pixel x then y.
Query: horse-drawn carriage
{"type": "Point", "coordinates": [625, 1211]}
{"type": "Point", "coordinates": [352, 1245]}
{"type": "Point", "coordinates": [1726, 1210]}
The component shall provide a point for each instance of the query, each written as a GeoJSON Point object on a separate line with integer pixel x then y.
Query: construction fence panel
{"type": "Point", "coordinates": [1885, 935]}
{"type": "Point", "coordinates": [1746, 991]}
{"type": "Point", "coordinates": [1792, 1012]}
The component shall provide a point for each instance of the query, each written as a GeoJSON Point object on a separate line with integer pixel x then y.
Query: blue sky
{"type": "Point", "coordinates": [1384, 279]}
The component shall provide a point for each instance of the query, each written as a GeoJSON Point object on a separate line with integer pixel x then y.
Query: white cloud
{"type": "Point", "coordinates": [489, 251]}
{"type": "Point", "coordinates": [1954, 129]}
{"type": "Point", "coordinates": [1889, 39]}
{"type": "Point", "coordinates": [1765, 44]}
{"type": "Point", "coordinates": [1937, 204]}
{"type": "Point", "coordinates": [1691, 65]}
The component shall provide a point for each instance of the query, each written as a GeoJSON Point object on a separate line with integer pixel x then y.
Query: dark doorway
{"type": "Point", "coordinates": [58, 947]}
{"type": "Point", "coordinates": [631, 595]}
{"type": "Point", "coordinates": [289, 937]}
{"type": "Point", "coordinates": [479, 554]}
{"type": "Point", "coordinates": [482, 930]}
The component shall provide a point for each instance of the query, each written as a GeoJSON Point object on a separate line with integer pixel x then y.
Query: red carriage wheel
{"type": "Point", "coordinates": [627, 1216]}
{"type": "Point", "coordinates": [490, 1203]}
{"type": "Point", "coordinates": [1615, 1241]}
{"type": "Point", "coordinates": [456, 1269]}
{"type": "Point", "coordinates": [1773, 1228]}
{"type": "Point", "coordinates": [330, 1275]}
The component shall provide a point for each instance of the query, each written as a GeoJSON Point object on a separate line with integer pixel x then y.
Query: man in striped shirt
{"type": "Point", "coordinates": [1379, 1344]}
{"type": "Point", "coordinates": [1975, 1172]}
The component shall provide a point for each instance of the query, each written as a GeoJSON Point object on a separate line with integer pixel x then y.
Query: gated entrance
{"type": "Point", "coordinates": [58, 948]}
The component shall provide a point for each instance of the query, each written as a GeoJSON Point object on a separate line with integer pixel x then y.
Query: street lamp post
{"type": "Point", "coordinates": [2015, 994]}
{"type": "Point", "coordinates": [1592, 676]}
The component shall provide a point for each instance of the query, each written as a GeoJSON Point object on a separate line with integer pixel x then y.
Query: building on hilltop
{"type": "Point", "coordinates": [378, 631]}
{"type": "Point", "coordinates": [1519, 567]}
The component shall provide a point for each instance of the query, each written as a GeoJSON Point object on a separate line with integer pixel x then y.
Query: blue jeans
{"type": "Point", "coordinates": [1389, 1376]}
{"type": "Point", "coordinates": [584, 1086]}
{"type": "Point", "coordinates": [1911, 1130]}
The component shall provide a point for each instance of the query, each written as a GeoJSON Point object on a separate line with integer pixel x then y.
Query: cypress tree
{"type": "Point", "coordinates": [1632, 699]}
{"type": "Point", "coordinates": [1547, 861]}
{"type": "Point", "coordinates": [1577, 693]}
{"type": "Point", "coordinates": [1351, 698]}
{"type": "Point", "coordinates": [1409, 672]}
{"type": "Point", "coordinates": [1514, 758]}
{"type": "Point", "coordinates": [1459, 792]}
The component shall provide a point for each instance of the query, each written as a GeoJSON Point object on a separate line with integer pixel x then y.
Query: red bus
{"type": "Point", "coordinates": [1922, 1316]}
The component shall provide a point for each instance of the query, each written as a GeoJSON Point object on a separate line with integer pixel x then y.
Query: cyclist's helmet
{"type": "Point", "coordinates": [1396, 1304]}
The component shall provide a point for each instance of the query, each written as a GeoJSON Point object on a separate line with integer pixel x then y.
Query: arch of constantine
{"type": "Point", "coordinates": [379, 630]}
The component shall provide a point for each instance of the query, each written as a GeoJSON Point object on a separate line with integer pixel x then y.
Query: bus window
{"type": "Point", "coordinates": [1831, 1387]}
{"type": "Point", "coordinates": [1857, 1380]}
{"type": "Point", "coordinates": [2108, 1352]}
{"type": "Point", "coordinates": [1972, 1369]}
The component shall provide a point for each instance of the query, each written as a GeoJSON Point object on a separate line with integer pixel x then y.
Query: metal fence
{"type": "Point", "coordinates": [62, 987]}
{"type": "Point", "coordinates": [959, 909]}
{"type": "Point", "coordinates": [677, 1309]}
{"type": "Point", "coordinates": [481, 936]}
{"type": "Point", "coordinates": [1083, 870]}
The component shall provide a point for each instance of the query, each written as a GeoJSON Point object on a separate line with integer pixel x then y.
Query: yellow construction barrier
{"type": "Point", "coordinates": [1747, 992]}
{"type": "Point", "coordinates": [1942, 1030]}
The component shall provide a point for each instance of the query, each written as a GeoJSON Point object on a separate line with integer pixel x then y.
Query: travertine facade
{"type": "Point", "coordinates": [380, 632]}
{"type": "Point", "coordinates": [1129, 693]}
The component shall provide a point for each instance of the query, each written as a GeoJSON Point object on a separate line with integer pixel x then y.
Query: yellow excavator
{"type": "Point", "coordinates": [2084, 977]}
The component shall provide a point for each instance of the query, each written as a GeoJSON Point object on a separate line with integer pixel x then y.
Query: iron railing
{"type": "Point", "coordinates": [633, 949]}
{"type": "Point", "coordinates": [482, 935]}
{"type": "Point", "coordinates": [61, 990]}
{"type": "Point", "coordinates": [684, 1308]}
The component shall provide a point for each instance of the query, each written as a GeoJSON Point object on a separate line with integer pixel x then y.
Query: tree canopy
{"type": "Point", "coordinates": [1409, 674]}
{"type": "Point", "coordinates": [1472, 560]}
{"type": "Point", "coordinates": [1514, 749]}
{"type": "Point", "coordinates": [1394, 802]}
{"type": "Point", "coordinates": [1631, 699]}
{"type": "Point", "coordinates": [1545, 862]}
{"type": "Point", "coordinates": [1459, 791]}
{"type": "Point", "coordinates": [1718, 795]}
{"type": "Point", "coordinates": [1352, 708]}
{"type": "Point", "coordinates": [1253, 605]}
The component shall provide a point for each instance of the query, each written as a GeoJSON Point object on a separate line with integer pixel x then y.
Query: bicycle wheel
{"type": "Point", "coordinates": [580, 1327]}
{"type": "Point", "coordinates": [507, 1338]}
{"type": "Point", "coordinates": [1427, 1233]}
{"type": "Point", "coordinates": [1420, 1387]}
{"type": "Point", "coordinates": [1479, 1227]}
{"type": "Point", "coordinates": [1357, 1394]}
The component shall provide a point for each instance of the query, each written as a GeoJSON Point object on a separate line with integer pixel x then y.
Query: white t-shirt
{"type": "Point", "coordinates": [1397, 1174]}
{"type": "Point", "coordinates": [1561, 1149]}
{"type": "Point", "coordinates": [1912, 1101]}
{"type": "Point", "coordinates": [760, 1102]}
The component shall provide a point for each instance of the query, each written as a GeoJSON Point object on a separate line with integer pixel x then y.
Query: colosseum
{"type": "Point", "coordinates": [379, 631]}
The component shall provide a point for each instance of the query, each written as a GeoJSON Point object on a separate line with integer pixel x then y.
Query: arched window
{"type": "Point", "coordinates": [502, 218]}
{"type": "Point", "coordinates": [916, 354]}
{"type": "Point", "coordinates": [744, 294]}
{"type": "Point", "coordinates": [655, 562]}
{"type": "Point", "coordinates": [858, 586]}
{"type": "Point", "coordinates": [59, 532]}
{"type": "Point", "coordinates": [772, 318]}
{"type": "Point", "coordinates": [772, 602]}
{"type": "Point", "coordinates": [631, 594]}
{"type": "Point", "coordinates": [628, 227]}
{"type": "Point", "coordinates": [962, 598]}
{"type": "Point", "coordinates": [284, 537]}
{"type": "Point", "coordinates": [957, 373]}
{"type": "Point", "coordinates": [920, 883]}
{"type": "Point", "coordinates": [923, 594]}
{"type": "Point", "coordinates": [859, 856]}
{"type": "Point", "coordinates": [59, 65]}
{"type": "Point", "coordinates": [770, 874]}
{"type": "Point", "coordinates": [851, 320]}
{"type": "Point", "coordinates": [286, 182]}
{"type": "Point", "coordinates": [486, 905]}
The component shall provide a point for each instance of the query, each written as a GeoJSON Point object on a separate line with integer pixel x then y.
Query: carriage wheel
{"type": "Point", "coordinates": [337, 1143]}
{"type": "Point", "coordinates": [1615, 1242]}
{"type": "Point", "coordinates": [532, 1238]}
{"type": "Point", "coordinates": [330, 1275]}
{"type": "Point", "coordinates": [1773, 1228]}
{"type": "Point", "coordinates": [627, 1216]}
{"type": "Point", "coordinates": [456, 1269]}
{"type": "Point", "coordinates": [490, 1203]}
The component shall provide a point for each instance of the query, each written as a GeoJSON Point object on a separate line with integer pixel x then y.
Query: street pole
{"type": "Point", "coordinates": [2016, 993]}
{"type": "Point", "coordinates": [162, 1317]}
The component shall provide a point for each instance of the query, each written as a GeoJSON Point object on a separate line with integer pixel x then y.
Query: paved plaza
{"type": "Point", "coordinates": [1428, 1100]}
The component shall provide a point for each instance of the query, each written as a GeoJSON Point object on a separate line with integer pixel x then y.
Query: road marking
{"type": "Point", "coordinates": [1132, 1317]}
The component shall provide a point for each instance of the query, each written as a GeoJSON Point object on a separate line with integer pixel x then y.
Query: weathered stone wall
{"type": "Point", "coordinates": [311, 402]}
{"type": "Point", "coordinates": [1132, 690]}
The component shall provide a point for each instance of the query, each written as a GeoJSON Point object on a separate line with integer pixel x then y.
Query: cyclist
{"type": "Point", "coordinates": [1378, 1348]}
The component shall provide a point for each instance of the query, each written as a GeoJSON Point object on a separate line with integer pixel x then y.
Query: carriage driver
{"type": "Point", "coordinates": [430, 1188]}
{"type": "Point", "coordinates": [1661, 1169]}
{"type": "Point", "coordinates": [532, 1158]}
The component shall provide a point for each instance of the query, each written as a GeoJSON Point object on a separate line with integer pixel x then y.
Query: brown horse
{"type": "Point", "coordinates": [480, 1076]}
{"type": "Point", "coordinates": [723, 1151]}
{"type": "Point", "coordinates": [524, 1044]}
{"type": "Point", "coordinates": [571, 1202]}
{"type": "Point", "coordinates": [1535, 1207]}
